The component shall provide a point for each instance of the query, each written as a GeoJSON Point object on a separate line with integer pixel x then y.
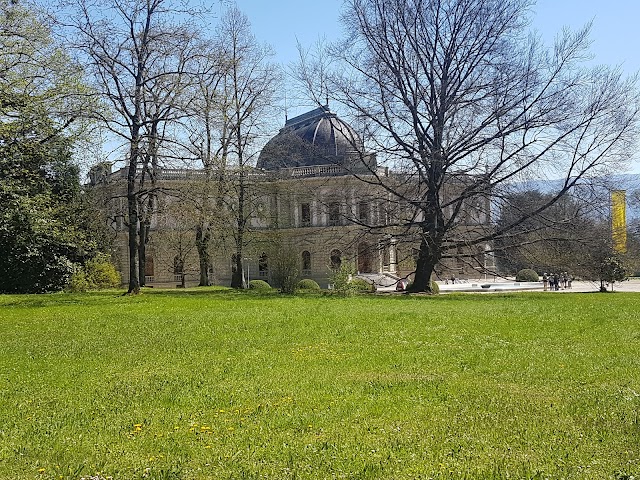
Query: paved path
{"type": "Point", "coordinates": [632, 285]}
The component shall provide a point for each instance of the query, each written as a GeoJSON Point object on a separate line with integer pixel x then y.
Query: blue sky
{"type": "Point", "coordinates": [614, 33]}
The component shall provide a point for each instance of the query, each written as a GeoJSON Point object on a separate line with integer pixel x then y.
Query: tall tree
{"type": "Point", "coordinates": [248, 87]}
{"type": "Point", "coordinates": [208, 142]}
{"type": "Point", "coordinates": [460, 101]}
{"type": "Point", "coordinates": [163, 106]}
{"type": "Point", "coordinates": [41, 97]}
{"type": "Point", "coordinates": [137, 51]}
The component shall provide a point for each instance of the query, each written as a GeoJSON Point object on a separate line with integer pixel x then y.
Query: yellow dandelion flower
{"type": "Point", "coordinates": [41, 470]}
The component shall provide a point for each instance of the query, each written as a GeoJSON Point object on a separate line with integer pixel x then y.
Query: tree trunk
{"type": "Point", "coordinates": [428, 258]}
{"type": "Point", "coordinates": [237, 277]}
{"type": "Point", "coordinates": [143, 236]}
{"type": "Point", "coordinates": [203, 236]}
{"type": "Point", "coordinates": [132, 204]}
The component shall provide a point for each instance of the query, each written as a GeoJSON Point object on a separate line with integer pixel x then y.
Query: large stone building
{"type": "Point", "coordinates": [312, 197]}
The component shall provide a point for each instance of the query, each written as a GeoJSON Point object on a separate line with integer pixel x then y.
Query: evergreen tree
{"type": "Point", "coordinates": [39, 185]}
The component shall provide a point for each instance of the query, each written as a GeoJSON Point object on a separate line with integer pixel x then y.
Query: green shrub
{"type": "Point", "coordinates": [361, 285]}
{"type": "Point", "coordinates": [101, 273]}
{"type": "Point", "coordinates": [97, 273]}
{"type": "Point", "coordinates": [308, 284]}
{"type": "Point", "coordinates": [287, 283]}
{"type": "Point", "coordinates": [342, 279]}
{"type": "Point", "coordinates": [284, 267]}
{"type": "Point", "coordinates": [78, 281]}
{"type": "Point", "coordinates": [527, 275]}
{"type": "Point", "coordinates": [259, 285]}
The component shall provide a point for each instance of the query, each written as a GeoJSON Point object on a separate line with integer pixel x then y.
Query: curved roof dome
{"type": "Point", "coordinates": [317, 137]}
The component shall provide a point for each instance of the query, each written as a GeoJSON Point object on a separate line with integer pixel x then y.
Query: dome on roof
{"type": "Point", "coordinates": [317, 137]}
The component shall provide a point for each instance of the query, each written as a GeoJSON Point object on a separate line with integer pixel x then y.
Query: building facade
{"type": "Point", "coordinates": [312, 198]}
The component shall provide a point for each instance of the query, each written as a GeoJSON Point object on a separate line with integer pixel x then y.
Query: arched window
{"type": "Point", "coordinates": [306, 262]}
{"type": "Point", "coordinates": [263, 266]}
{"type": "Point", "coordinates": [336, 259]}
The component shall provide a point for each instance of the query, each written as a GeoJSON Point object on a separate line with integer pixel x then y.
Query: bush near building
{"type": "Point", "coordinates": [527, 275]}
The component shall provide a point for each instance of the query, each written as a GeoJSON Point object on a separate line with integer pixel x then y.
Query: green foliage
{"type": "Point", "coordinates": [97, 273]}
{"type": "Point", "coordinates": [102, 273]}
{"type": "Point", "coordinates": [39, 246]}
{"type": "Point", "coordinates": [342, 279]}
{"type": "Point", "coordinates": [345, 283]}
{"type": "Point", "coordinates": [342, 385]}
{"type": "Point", "coordinates": [361, 285]}
{"type": "Point", "coordinates": [612, 269]}
{"type": "Point", "coordinates": [527, 275]}
{"type": "Point", "coordinates": [284, 267]}
{"type": "Point", "coordinates": [308, 284]}
{"type": "Point", "coordinates": [78, 281]}
{"type": "Point", "coordinates": [259, 285]}
{"type": "Point", "coordinates": [40, 238]}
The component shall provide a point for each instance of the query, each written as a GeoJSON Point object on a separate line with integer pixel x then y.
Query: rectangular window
{"type": "Point", "coordinates": [148, 266]}
{"type": "Point", "coordinates": [305, 214]}
{"type": "Point", "coordinates": [334, 214]}
{"type": "Point", "coordinates": [363, 212]}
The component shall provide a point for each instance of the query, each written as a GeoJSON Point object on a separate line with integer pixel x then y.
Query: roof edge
{"type": "Point", "coordinates": [321, 111]}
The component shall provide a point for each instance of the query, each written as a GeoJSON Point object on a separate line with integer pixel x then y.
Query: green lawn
{"type": "Point", "coordinates": [218, 384]}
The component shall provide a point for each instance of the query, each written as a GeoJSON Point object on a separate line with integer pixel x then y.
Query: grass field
{"type": "Point", "coordinates": [218, 384]}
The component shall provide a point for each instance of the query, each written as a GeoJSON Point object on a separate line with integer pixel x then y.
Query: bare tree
{"type": "Point", "coordinates": [248, 88]}
{"type": "Point", "coordinates": [163, 106]}
{"type": "Point", "coordinates": [558, 239]}
{"type": "Point", "coordinates": [461, 102]}
{"type": "Point", "coordinates": [135, 49]}
{"type": "Point", "coordinates": [207, 142]}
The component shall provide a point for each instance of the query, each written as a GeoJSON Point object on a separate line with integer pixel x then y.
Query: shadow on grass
{"type": "Point", "coordinates": [219, 293]}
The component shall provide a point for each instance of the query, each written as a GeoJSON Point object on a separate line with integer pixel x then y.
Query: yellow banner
{"type": "Point", "coordinates": [619, 220]}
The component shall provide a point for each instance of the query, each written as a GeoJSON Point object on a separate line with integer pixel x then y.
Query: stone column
{"type": "Point", "coordinates": [314, 213]}
{"type": "Point", "coordinates": [393, 256]}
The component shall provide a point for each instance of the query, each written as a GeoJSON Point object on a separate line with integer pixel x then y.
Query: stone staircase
{"type": "Point", "coordinates": [380, 280]}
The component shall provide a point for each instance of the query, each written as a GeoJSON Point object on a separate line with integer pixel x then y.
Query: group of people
{"type": "Point", "coordinates": [556, 281]}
